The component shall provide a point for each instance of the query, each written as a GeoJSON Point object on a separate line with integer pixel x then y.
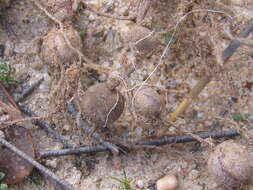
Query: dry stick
{"type": "Point", "coordinates": [88, 130]}
{"type": "Point", "coordinates": [215, 123]}
{"type": "Point", "coordinates": [40, 167]}
{"type": "Point", "coordinates": [28, 90]}
{"type": "Point", "coordinates": [132, 145]}
{"type": "Point", "coordinates": [45, 126]}
{"type": "Point", "coordinates": [227, 53]}
{"type": "Point", "coordinates": [143, 10]}
{"type": "Point", "coordinates": [12, 101]}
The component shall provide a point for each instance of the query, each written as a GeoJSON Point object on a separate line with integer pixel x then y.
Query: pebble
{"type": "Point", "coordinates": [2, 135]}
{"type": "Point", "coordinates": [52, 163]}
{"type": "Point", "coordinates": [139, 184]}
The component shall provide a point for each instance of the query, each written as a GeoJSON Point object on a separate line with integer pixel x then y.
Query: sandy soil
{"type": "Point", "coordinates": [23, 26]}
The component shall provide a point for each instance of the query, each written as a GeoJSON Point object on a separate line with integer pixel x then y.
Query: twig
{"type": "Point", "coordinates": [132, 145]}
{"type": "Point", "coordinates": [62, 184]}
{"type": "Point", "coordinates": [28, 90]}
{"type": "Point", "coordinates": [227, 53]}
{"type": "Point", "coordinates": [215, 123]}
{"type": "Point", "coordinates": [47, 127]}
{"type": "Point", "coordinates": [143, 10]}
{"type": "Point", "coordinates": [88, 130]}
{"type": "Point", "coordinates": [11, 100]}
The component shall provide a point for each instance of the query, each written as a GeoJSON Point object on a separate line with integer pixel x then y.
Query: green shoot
{"type": "Point", "coordinates": [125, 183]}
{"type": "Point", "coordinates": [168, 38]}
{"type": "Point", "coordinates": [2, 185]}
{"type": "Point", "coordinates": [240, 117]}
{"type": "Point", "coordinates": [36, 178]}
{"type": "Point", "coordinates": [6, 74]}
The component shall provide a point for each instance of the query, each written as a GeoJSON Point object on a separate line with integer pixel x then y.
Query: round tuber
{"type": "Point", "coordinates": [147, 103]}
{"type": "Point", "coordinates": [101, 105]}
{"type": "Point", "coordinates": [16, 168]}
{"type": "Point", "coordinates": [55, 47]}
{"type": "Point", "coordinates": [168, 182]}
{"type": "Point", "coordinates": [231, 164]}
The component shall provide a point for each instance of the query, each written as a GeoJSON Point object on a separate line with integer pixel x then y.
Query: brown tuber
{"type": "Point", "coordinates": [16, 168]}
{"type": "Point", "coordinates": [231, 164]}
{"type": "Point", "coordinates": [147, 103]}
{"type": "Point", "coordinates": [101, 105]}
{"type": "Point", "coordinates": [168, 182]}
{"type": "Point", "coordinates": [61, 9]}
{"type": "Point", "coordinates": [55, 48]}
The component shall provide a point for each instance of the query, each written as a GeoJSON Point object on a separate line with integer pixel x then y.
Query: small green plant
{"type": "Point", "coordinates": [240, 117]}
{"type": "Point", "coordinates": [36, 178]}
{"type": "Point", "coordinates": [3, 186]}
{"type": "Point", "coordinates": [125, 183]}
{"type": "Point", "coordinates": [168, 38]}
{"type": "Point", "coordinates": [6, 74]}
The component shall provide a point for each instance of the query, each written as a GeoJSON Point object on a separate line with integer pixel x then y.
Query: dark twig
{"type": "Point", "coordinates": [227, 53]}
{"type": "Point", "coordinates": [6, 93]}
{"type": "Point", "coordinates": [235, 44]}
{"type": "Point", "coordinates": [154, 142]}
{"type": "Point", "coordinates": [62, 184]}
{"type": "Point", "coordinates": [215, 123]}
{"type": "Point", "coordinates": [47, 127]}
{"type": "Point", "coordinates": [73, 151]}
{"type": "Point", "coordinates": [88, 130]}
{"type": "Point", "coordinates": [27, 91]}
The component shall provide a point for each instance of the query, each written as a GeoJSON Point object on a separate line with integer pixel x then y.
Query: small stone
{"type": "Point", "coordinates": [52, 163]}
{"type": "Point", "coordinates": [139, 184]}
{"type": "Point", "coordinates": [2, 135]}
{"type": "Point", "coordinates": [168, 182]}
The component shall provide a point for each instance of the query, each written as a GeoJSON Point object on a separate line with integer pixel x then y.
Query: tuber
{"type": "Point", "coordinates": [101, 105]}
{"type": "Point", "coordinates": [231, 164]}
{"type": "Point", "coordinates": [55, 47]}
{"type": "Point", "coordinates": [15, 167]}
{"type": "Point", "coordinates": [147, 103]}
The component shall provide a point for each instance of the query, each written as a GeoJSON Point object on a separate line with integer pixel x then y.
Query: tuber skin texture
{"type": "Point", "coordinates": [97, 102]}
{"type": "Point", "coordinates": [15, 167]}
{"type": "Point", "coordinates": [55, 48]}
{"type": "Point", "coordinates": [147, 104]}
{"type": "Point", "coordinates": [231, 165]}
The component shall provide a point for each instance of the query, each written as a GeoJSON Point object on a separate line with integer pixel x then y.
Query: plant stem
{"type": "Point", "coordinates": [227, 53]}
{"type": "Point", "coordinates": [62, 184]}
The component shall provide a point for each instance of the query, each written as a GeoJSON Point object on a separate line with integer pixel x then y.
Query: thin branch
{"type": "Point", "coordinates": [133, 145]}
{"type": "Point", "coordinates": [88, 130]}
{"type": "Point", "coordinates": [227, 53]}
{"type": "Point", "coordinates": [47, 127]}
{"type": "Point", "coordinates": [40, 167]}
